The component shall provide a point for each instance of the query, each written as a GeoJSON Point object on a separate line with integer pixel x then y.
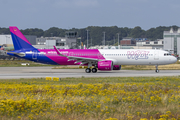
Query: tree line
{"type": "Point", "coordinates": [96, 33]}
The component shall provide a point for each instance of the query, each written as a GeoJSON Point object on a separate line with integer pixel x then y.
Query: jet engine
{"type": "Point", "coordinates": [105, 65]}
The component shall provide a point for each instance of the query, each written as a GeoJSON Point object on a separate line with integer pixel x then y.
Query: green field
{"type": "Point", "coordinates": [116, 98]}
{"type": "Point", "coordinates": [17, 63]}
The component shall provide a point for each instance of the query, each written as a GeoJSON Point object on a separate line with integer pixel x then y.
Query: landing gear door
{"type": "Point", "coordinates": [156, 55]}
{"type": "Point", "coordinates": [34, 55]}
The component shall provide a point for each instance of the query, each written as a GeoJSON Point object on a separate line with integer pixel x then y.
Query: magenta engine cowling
{"type": "Point", "coordinates": [105, 65]}
{"type": "Point", "coordinates": [116, 67]}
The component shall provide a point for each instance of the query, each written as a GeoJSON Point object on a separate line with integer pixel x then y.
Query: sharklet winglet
{"type": "Point", "coordinates": [58, 52]}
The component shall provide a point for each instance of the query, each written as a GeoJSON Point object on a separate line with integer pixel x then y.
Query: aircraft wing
{"type": "Point", "coordinates": [78, 59]}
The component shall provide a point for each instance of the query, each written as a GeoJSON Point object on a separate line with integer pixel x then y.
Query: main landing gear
{"type": "Point", "coordinates": [156, 69]}
{"type": "Point", "coordinates": [88, 70]}
{"type": "Point", "coordinates": [94, 70]}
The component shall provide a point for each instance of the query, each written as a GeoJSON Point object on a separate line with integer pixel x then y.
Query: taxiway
{"type": "Point", "coordinates": [41, 72]}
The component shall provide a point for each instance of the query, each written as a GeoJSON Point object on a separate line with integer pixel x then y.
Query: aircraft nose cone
{"type": "Point", "coordinates": [174, 59]}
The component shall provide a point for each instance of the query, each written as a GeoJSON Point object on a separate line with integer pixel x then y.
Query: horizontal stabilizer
{"type": "Point", "coordinates": [19, 54]}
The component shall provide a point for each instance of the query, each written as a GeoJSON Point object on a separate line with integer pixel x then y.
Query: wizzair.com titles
{"type": "Point", "coordinates": [137, 54]}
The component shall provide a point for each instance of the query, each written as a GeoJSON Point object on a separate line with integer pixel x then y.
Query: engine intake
{"type": "Point", "coordinates": [105, 65]}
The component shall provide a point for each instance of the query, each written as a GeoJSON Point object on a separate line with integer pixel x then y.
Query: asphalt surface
{"type": "Point", "coordinates": [38, 72]}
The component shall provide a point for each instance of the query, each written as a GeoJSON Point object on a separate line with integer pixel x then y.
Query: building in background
{"type": "Point", "coordinates": [31, 39]}
{"type": "Point", "coordinates": [67, 42]}
{"type": "Point", "coordinates": [172, 41]}
{"type": "Point", "coordinates": [6, 40]}
{"type": "Point", "coordinates": [158, 44]}
{"type": "Point", "coordinates": [111, 47]}
{"type": "Point", "coordinates": [127, 41]}
{"type": "Point", "coordinates": [134, 43]}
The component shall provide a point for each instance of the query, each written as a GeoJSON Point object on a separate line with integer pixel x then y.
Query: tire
{"type": "Point", "coordinates": [94, 70]}
{"type": "Point", "coordinates": [88, 70]}
{"type": "Point", "coordinates": [157, 71]}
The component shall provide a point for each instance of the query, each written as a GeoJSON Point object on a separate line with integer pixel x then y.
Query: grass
{"type": "Point", "coordinates": [110, 98]}
{"type": "Point", "coordinates": [17, 63]}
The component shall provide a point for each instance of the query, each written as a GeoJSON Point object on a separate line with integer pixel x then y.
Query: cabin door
{"type": "Point", "coordinates": [156, 55]}
{"type": "Point", "coordinates": [34, 55]}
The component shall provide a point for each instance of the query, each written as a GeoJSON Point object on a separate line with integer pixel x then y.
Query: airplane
{"type": "Point", "coordinates": [100, 59]}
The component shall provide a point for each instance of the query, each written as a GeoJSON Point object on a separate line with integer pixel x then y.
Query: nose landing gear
{"type": "Point", "coordinates": [157, 71]}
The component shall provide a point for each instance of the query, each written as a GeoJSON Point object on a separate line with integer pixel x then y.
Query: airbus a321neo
{"type": "Point", "coordinates": [101, 59]}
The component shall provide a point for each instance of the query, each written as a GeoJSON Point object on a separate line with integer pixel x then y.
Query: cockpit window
{"type": "Point", "coordinates": [167, 54]}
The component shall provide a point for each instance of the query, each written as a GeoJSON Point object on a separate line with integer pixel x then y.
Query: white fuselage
{"type": "Point", "coordinates": [138, 57]}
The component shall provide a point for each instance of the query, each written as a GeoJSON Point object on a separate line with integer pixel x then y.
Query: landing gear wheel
{"type": "Point", "coordinates": [94, 70]}
{"type": "Point", "coordinates": [156, 71]}
{"type": "Point", "coordinates": [88, 70]}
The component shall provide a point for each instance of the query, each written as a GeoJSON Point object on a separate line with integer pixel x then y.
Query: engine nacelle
{"type": "Point", "coordinates": [116, 67]}
{"type": "Point", "coordinates": [105, 65]}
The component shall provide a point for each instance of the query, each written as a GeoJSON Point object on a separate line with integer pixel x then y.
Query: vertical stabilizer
{"type": "Point", "coordinates": [19, 40]}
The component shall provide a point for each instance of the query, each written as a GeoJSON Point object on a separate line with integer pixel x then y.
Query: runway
{"type": "Point", "coordinates": [38, 72]}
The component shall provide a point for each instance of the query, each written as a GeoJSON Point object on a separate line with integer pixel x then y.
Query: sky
{"type": "Point", "coordinates": [67, 14]}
